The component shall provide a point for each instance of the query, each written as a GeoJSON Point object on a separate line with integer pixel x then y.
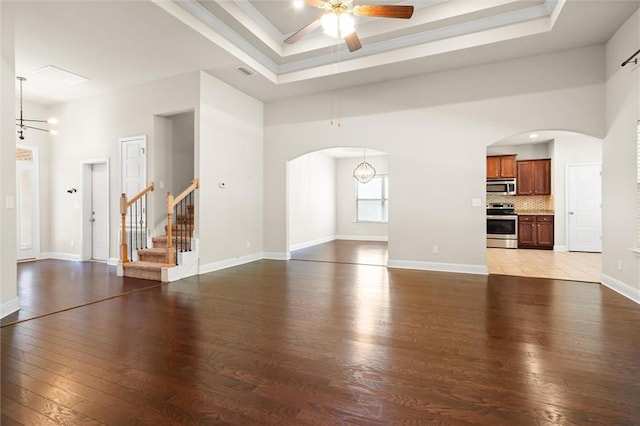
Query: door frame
{"type": "Point", "coordinates": [86, 251]}
{"type": "Point", "coordinates": [36, 230]}
{"type": "Point", "coordinates": [566, 200]}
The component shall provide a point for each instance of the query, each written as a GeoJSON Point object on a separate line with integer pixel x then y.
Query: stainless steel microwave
{"type": "Point", "coordinates": [501, 186]}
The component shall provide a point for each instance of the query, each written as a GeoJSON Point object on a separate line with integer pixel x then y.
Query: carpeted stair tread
{"type": "Point", "coordinates": [143, 270]}
{"type": "Point", "coordinates": [158, 255]}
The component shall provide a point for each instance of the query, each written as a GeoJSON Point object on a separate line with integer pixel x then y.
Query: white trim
{"type": "Point", "coordinates": [362, 237]}
{"type": "Point", "coordinates": [272, 255]}
{"type": "Point", "coordinates": [113, 261]}
{"type": "Point", "coordinates": [560, 248]}
{"type": "Point", "coordinates": [228, 263]}
{"type": "Point", "coordinates": [60, 256]}
{"type": "Point", "coordinates": [306, 244]}
{"type": "Point", "coordinates": [441, 267]}
{"type": "Point", "coordinates": [621, 288]}
{"type": "Point", "coordinates": [9, 307]}
{"type": "Point", "coordinates": [86, 249]}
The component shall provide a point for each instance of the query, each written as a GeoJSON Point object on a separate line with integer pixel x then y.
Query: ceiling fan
{"type": "Point", "coordinates": [337, 19]}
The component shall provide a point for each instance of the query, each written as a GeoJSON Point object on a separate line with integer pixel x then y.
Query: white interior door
{"type": "Point", "coordinates": [27, 202]}
{"type": "Point", "coordinates": [584, 198]}
{"type": "Point", "coordinates": [134, 165]}
{"type": "Point", "coordinates": [99, 211]}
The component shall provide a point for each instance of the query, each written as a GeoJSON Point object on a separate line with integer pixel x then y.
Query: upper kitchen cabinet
{"type": "Point", "coordinates": [501, 166]}
{"type": "Point", "coordinates": [534, 177]}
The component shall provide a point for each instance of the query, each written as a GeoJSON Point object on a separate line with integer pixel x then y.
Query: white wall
{"type": "Point", "coordinates": [529, 151]}
{"type": "Point", "coordinates": [312, 200]}
{"type": "Point", "coordinates": [230, 127]}
{"type": "Point", "coordinates": [91, 128]}
{"type": "Point", "coordinates": [619, 162]}
{"type": "Point", "coordinates": [347, 227]}
{"type": "Point", "coordinates": [8, 288]}
{"type": "Point", "coordinates": [173, 161]}
{"type": "Point", "coordinates": [435, 129]}
{"type": "Point", "coordinates": [568, 148]}
{"type": "Point", "coordinates": [182, 151]}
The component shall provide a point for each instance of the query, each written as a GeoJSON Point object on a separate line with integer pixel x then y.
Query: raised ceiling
{"type": "Point", "coordinates": [119, 44]}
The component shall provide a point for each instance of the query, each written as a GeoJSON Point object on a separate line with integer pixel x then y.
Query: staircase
{"type": "Point", "coordinates": [152, 260]}
{"type": "Point", "coordinates": [173, 255]}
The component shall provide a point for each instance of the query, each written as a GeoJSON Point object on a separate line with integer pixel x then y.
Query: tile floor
{"type": "Point", "coordinates": [575, 266]}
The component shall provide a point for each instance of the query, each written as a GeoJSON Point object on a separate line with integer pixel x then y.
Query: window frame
{"type": "Point", "coordinates": [384, 201]}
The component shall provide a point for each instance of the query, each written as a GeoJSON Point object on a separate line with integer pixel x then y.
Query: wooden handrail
{"type": "Point", "coordinates": [195, 184]}
{"type": "Point", "coordinates": [171, 203]}
{"type": "Point", "coordinates": [140, 194]}
{"type": "Point", "coordinates": [124, 205]}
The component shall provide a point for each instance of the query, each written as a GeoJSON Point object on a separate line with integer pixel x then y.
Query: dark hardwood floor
{"type": "Point", "coordinates": [293, 343]}
{"type": "Point", "coordinates": [345, 251]}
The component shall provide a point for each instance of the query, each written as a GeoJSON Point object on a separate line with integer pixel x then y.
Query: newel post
{"type": "Point", "coordinates": [124, 250]}
{"type": "Point", "coordinates": [170, 251]}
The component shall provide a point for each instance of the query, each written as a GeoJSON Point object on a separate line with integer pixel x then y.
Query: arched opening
{"type": "Point", "coordinates": [555, 209]}
{"type": "Point", "coordinates": [331, 217]}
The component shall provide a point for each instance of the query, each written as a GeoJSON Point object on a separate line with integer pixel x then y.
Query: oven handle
{"type": "Point", "coordinates": [513, 217]}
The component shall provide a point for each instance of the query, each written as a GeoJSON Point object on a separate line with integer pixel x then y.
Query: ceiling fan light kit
{"type": "Point", "coordinates": [23, 124]}
{"type": "Point", "coordinates": [338, 19]}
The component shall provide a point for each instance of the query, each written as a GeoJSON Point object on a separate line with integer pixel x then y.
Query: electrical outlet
{"type": "Point", "coordinates": [71, 243]}
{"type": "Point", "coordinates": [248, 244]}
{"type": "Point", "coordinates": [619, 264]}
{"type": "Point", "coordinates": [476, 202]}
{"type": "Point", "coordinates": [435, 249]}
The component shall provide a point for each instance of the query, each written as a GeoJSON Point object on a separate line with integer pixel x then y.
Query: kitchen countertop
{"type": "Point", "coordinates": [534, 212]}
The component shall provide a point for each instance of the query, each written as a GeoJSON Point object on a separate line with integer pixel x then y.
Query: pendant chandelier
{"type": "Point", "coordinates": [20, 122]}
{"type": "Point", "coordinates": [364, 172]}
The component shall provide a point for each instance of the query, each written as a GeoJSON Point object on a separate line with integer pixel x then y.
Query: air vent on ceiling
{"type": "Point", "coordinates": [246, 71]}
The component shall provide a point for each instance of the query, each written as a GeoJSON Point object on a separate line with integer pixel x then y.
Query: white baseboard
{"type": "Point", "coordinates": [113, 261]}
{"type": "Point", "coordinates": [560, 248]}
{"type": "Point", "coordinates": [315, 242]}
{"type": "Point", "coordinates": [60, 256]}
{"type": "Point", "coordinates": [272, 255]}
{"type": "Point", "coordinates": [622, 288]}
{"type": "Point", "coordinates": [362, 237]}
{"type": "Point", "coordinates": [9, 307]}
{"type": "Point", "coordinates": [228, 263]}
{"type": "Point", "coordinates": [440, 267]}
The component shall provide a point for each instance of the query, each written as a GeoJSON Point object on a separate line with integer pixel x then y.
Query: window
{"type": "Point", "coordinates": [372, 200]}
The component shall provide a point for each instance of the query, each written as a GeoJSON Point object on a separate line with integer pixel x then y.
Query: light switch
{"type": "Point", "coordinates": [10, 202]}
{"type": "Point", "coordinates": [76, 206]}
{"type": "Point", "coordinates": [476, 202]}
{"type": "Point", "coordinates": [161, 184]}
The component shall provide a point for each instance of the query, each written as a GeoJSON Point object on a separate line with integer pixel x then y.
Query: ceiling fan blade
{"type": "Point", "coordinates": [315, 3]}
{"type": "Point", "coordinates": [353, 42]}
{"type": "Point", "coordinates": [384, 11]}
{"type": "Point", "coordinates": [303, 32]}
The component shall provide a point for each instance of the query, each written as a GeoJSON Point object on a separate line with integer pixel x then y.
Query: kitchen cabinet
{"type": "Point", "coordinates": [534, 177]}
{"type": "Point", "coordinates": [535, 231]}
{"type": "Point", "coordinates": [501, 166]}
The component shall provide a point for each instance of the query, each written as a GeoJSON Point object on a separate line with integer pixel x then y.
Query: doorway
{"type": "Point", "coordinates": [95, 210]}
{"type": "Point", "coordinates": [332, 218]}
{"type": "Point", "coordinates": [27, 196]}
{"type": "Point", "coordinates": [584, 207]}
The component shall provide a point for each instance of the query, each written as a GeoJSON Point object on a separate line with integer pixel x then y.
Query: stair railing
{"type": "Point", "coordinates": [136, 208]}
{"type": "Point", "coordinates": [180, 207]}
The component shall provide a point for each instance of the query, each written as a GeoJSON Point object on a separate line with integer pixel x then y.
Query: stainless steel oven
{"type": "Point", "coordinates": [502, 226]}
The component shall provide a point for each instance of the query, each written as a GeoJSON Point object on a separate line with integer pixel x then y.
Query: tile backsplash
{"type": "Point", "coordinates": [523, 202]}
